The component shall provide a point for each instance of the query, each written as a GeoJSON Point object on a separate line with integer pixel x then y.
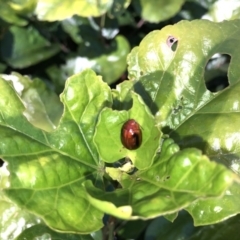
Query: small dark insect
{"type": "Point", "coordinates": [131, 135]}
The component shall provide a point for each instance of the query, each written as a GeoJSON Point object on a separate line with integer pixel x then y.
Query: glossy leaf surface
{"type": "Point", "coordinates": [52, 10]}
{"type": "Point", "coordinates": [49, 169]}
{"type": "Point", "coordinates": [216, 210]}
{"type": "Point", "coordinates": [60, 174]}
{"type": "Point", "coordinates": [155, 11]}
{"type": "Point", "coordinates": [55, 174]}
{"type": "Point", "coordinates": [108, 135]}
{"type": "Point", "coordinates": [174, 180]}
{"type": "Point", "coordinates": [13, 220]}
{"type": "Point", "coordinates": [170, 67]}
{"type": "Point", "coordinates": [180, 99]}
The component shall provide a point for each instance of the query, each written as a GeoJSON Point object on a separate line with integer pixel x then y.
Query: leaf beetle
{"type": "Point", "coordinates": [131, 135]}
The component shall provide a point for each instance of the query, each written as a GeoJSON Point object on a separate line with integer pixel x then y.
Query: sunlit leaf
{"type": "Point", "coordinates": [52, 10]}
{"type": "Point", "coordinates": [157, 10]}
{"type": "Point", "coordinates": [223, 10]}
{"type": "Point", "coordinates": [170, 67]}
{"type": "Point", "coordinates": [175, 179]}
{"type": "Point", "coordinates": [13, 220]}
{"type": "Point", "coordinates": [42, 106]}
{"type": "Point", "coordinates": [49, 168]}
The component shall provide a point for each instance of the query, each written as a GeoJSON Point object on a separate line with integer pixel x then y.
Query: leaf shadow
{"type": "Point", "coordinates": [148, 87]}
{"type": "Point", "coordinates": [6, 45]}
{"type": "Point", "coordinates": [222, 155]}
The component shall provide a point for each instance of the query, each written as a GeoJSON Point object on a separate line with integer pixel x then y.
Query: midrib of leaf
{"type": "Point", "coordinates": [51, 188]}
{"type": "Point", "coordinates": [47, 145]}
{"type": "Point", "coordinates": [85, 140]}
{"type": "Point", "coordinates": [164, 72]}
{"type": "Point", "coordinates": [185, 176]}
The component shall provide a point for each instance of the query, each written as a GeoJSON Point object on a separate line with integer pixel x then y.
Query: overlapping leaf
{"type": "Point", "coordinates": [42, 106]}
{"type": "Point", "coordinates": [47, 169]}
{"type": "Point", "coordinates": [99, 57]}
{"type": "Point", "coordinates": [220, 231]}
{"type": "Point", "coordinates": [176, 179]}
{"type": "Point", "coordinates": [13, 220]}
{"type": "Point", "coordinates": [10, 15]}
{"type": "Point", "coordinates": [24, 47]}
{"type": "Point", "coordinates": [178, 95]}
{"type": "Point", "coordinates": [55, 174]}
{"type": "Point", "coordinates": [43, 232]}
{"type": "Point", "coordinates": [216, 210]}
{"type": "Point", "coordinates": [170, 67]}
{"type": "Point", "coordinates": [108, 135]}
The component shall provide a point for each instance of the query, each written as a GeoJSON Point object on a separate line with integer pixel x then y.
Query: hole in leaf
{"type": "Point", "coordinates": [172, 42]}
{"type": "Point", "coordinates": [216, 70]}
{"type": "Point", "coordinates": [167, 177]}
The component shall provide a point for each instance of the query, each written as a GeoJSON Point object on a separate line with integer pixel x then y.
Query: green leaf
{"type": "Point", "coordinates": [204, 3]}
{"type": "Point", "coordinates": [2, 67]}
{"type": "Point", "coordinates": [171, 217]}
{"type": "Point", "coordinates": [174, 181]}
{"type": "Point", "coordinates": [73, 27]}
{"type": "Point", "coordinates": [56, 10]}
{"type": "Point", "coordinates": [57, 77]}
{"type": "Point", "coordinates": [60, 174]}
{"type": "Point", "coordinates": [122, 95]}
{"type": "Point", "coordinates": [212, 211]}
{"type": "Point", "coordinates": [221, 10]}
{"type": "Point", "coordinates": [132, 229]}
{"type": "Point", "coordinates": [23, 7]}
{"type": "Point", "coordinates": [155, 11]}
{"type": "Point", "coordinates": [108, 140]}
{"type": "Point", "coordinates": [35, 95]}
{"type": "Point", "coordinates": [41, 231]}
{"type": "Point", "coordinates": [228, 229]}
{"type": "Point", "coordinates": [181, 229]}
{"type": "Point", "coordinates": [13, 220]}
{"type": "Point", "coordinates": [48, 169]}
{"type": "Point", "coordinates": [10, 15]}
{"type": "Point", "coordinates": [119, 7]}
{"type": "Point", "coordinates": [109, 61]}
{"type": "Point", "coordinates": [172, 85]}
{"type": "Point", "coordinates": [173, 81]}
{"type": "Point", "coordinates": [24, 47]}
